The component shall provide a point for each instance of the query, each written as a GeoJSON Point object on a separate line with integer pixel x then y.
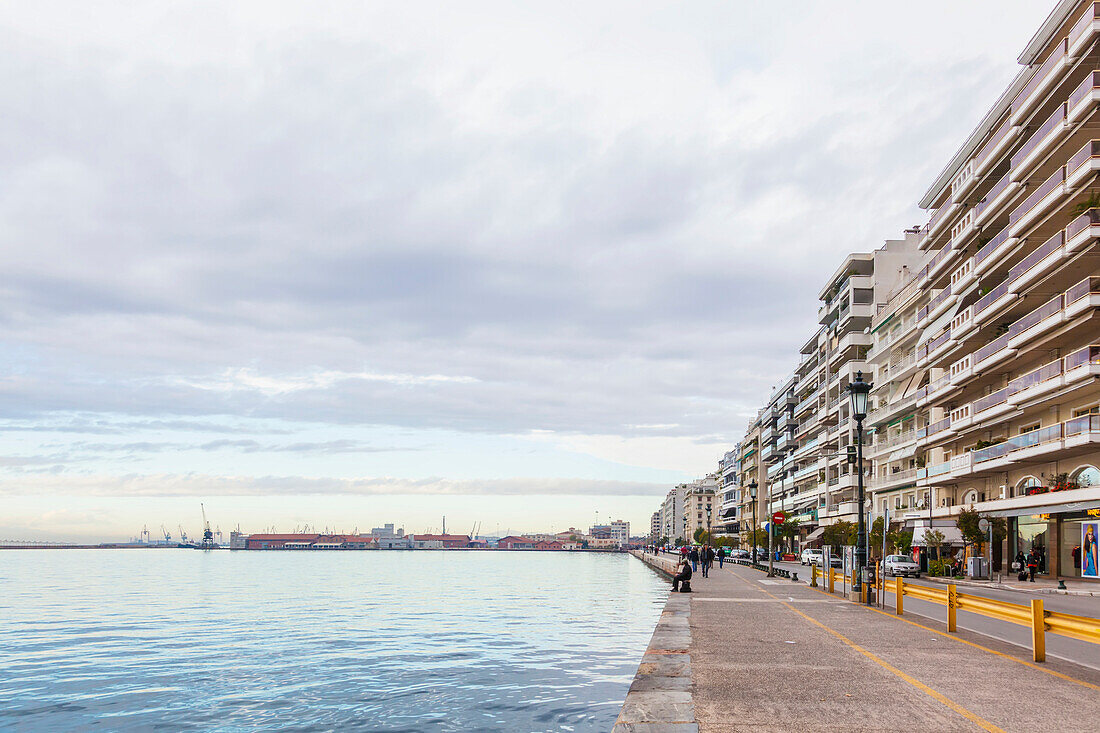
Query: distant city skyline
{"type": "Point", "coordinates": [380, 262]}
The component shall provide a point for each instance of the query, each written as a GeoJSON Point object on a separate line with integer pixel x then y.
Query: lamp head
{"type": "Point", "coordinates": [858, 390]}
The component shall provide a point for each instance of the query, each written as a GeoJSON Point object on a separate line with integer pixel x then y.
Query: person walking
{"type": "Point", "coordinates": [703, 559]}
{"type": "Point", "coordinates": [1032, 564]}
{"type": "Point", "coordinates": [693, 555]}
{"type": "Point", "coordinates": [709, 559]}
{"type": "Point", "coordinates": [721, 556]}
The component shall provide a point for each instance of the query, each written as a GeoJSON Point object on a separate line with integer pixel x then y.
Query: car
{"type": "Point", "coordinates": [811, 557]}
{"type": "Point", "coordinates": [740, 554]}
{"type": "Point", "coordinates": [896, 565]}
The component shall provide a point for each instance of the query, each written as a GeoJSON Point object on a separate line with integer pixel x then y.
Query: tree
{"type": "Point", "coordinates": [664, 540]}
{"type": "Point", "coordinates": [934, 538]}
{"type": "Point", "coordinates": [755, 537]}
{"type": "Point", "coordinates": [967, 522]}
{"type": "Point", "coordinates": [877, 528]}
{"type": "Point", "coordinates": [701, 536]}
{"type": "Point", "coordinates": [901, 539]}
{"type": "Point", "coordinates": [840, 533]}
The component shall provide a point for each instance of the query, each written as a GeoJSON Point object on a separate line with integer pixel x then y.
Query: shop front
{"type": "Point", "coordinates": [1063, 536]}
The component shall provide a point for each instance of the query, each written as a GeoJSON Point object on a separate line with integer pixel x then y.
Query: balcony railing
{"type": "Point", "coordinates": [892, 478]}
{"type": "Point", "coordinates": [1051, 184]}
{"type": "Point", "coordinates": [1046, 310]}
{"type": "Point", "coordinates": [939, 341]}
{"type": "Point", "coordinates": [1090, 218]}
{"type": "Point", "coordinates": [1083, 424]}
{"type": "Point", "coordinates": [896, 440]}
{"type": "Point", "coordinates": [1055, 58]}
{"type": "Point", "coordinates": [1040, 253]}
{"type": "Point", "coordinates": [939, 214]}
{"type": "Point", "coordinates": [939, 426]}
{"type": "Point", "coordinates": [1057, 119]}
{"type": "Point", "coordinates": [991, 246]}
{"type": "Point", "coordinates": [1084, 23]}
{"type": "Point", "coordinates": [1088, 151]}
{"type": "Point", "coordinates": [994, 141]}
{"type": "Point", "coordinates": [939, 469]}
{"type": "Point", "coordinates": [1086, 355]}
{"type": "Point", "coordinates": [1084, 89]}
{"type": "Point", "coordinates": [1088, 286]}
{"type": "Point", "coordinates": [1044, 373]}
{"type": "Point", "coordinates": [992, 399]}
{"type": "Point", "coordinates": [1001, 342]}
{"type": "Point", "coordinates": [939, 384]}
{"type": "Point", "coordinates": [991, 297]}
{"type": "Point", "coordinates": [998, 188]}
{"type": "Point", "coordinates": [938, 258]}
{"type": "Point", "coordinates": [940, 298]}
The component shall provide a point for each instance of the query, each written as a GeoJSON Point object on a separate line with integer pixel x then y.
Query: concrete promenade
{"type": "Point", "coordinates": [770, 654]}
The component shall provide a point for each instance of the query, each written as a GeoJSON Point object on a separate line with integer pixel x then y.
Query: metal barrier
{"type": "Point", "coordinates": [1035, 616]}
{"type": "Point", "coordinates": [764, 568]}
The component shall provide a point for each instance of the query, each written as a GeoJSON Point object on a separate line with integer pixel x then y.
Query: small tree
{"type": "Point", "coordinates": [902, 540]}
{"type": "Point", "coordinates": [934, 538]}
{"type": "Point", "coordinates": [840, 533]}
{"type": "Point", "coordinates": [877, 529]}
{"type": "Point", "coordinates": [701, 536]}
{"type": "Point", "coordinates": [788, 531]}
{"type": "Point", "coordinates": [664, 540]}
{"type": "Point", "coordinates": [967, 522]}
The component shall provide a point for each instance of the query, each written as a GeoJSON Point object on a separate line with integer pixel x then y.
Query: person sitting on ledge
{"type": "Point", "coordinates": [684, 577]}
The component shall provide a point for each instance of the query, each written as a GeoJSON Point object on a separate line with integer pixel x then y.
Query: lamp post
{"type": "Point", "coordinates": [858, 390]}
{"type": "Point", "coordinates": [771, 529]}
{"type": "Point", "coordinates": [708, 525]}
{"type": "Point", "coordinates": [752, 495]}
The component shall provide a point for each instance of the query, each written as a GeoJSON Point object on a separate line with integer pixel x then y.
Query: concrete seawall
{"type": "Point", "coordinates": [659, 700]}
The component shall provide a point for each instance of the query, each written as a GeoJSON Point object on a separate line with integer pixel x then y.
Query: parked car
{"type": "Point", "coordinates": [896, 565]}
{"type": "Point", "coordinates": [740, 554]}
{"type": "Point", "coordinates": [811, 557]}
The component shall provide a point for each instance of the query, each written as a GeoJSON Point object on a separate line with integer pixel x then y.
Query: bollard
{"type": "Point", "coordinates": [1038, 631]}
{"type": "Point", "coordinates": [813, 576]}
{"type": "Point", "coordinates": [952, 604]}
{"type": "Point", "coordinates": [899, 592]}
{"type": "Point", "coordinates": [832, 579]}
{"type": "Point", "coordinates": [794, 577]}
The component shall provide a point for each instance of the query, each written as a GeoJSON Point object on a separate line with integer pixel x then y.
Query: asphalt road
{"type": "Point", "coordinates": [1080, 652]}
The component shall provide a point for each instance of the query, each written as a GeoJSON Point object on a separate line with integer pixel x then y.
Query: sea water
{"type": "Point", "coordinates": [178, 639]}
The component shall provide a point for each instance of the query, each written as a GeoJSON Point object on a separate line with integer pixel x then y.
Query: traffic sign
{"type": "Point", "coordinates": [983, 524]}
{"type": "Point", "coordinates": [778, 518]}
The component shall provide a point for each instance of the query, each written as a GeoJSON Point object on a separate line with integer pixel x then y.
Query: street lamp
{"type": "Point", "coordinates": [708, 525]}
{"type": "Point", "coordinates": [752, 494]}
{"type": "Point", "coordinates": [858, 390]}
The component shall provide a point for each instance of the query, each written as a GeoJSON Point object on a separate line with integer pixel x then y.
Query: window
{"type": "Point", "coordinates": [1029, 428]}
{"type": "Point", "coordinates": [1027, 486]}
{"type": "Point", "coordinates": [1087, 476]}
{"type": "Point", "coordinates": [1094, 410]}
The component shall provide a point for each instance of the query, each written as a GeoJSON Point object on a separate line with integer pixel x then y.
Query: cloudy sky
{"type": "Point", "coordinates": [527, 264]}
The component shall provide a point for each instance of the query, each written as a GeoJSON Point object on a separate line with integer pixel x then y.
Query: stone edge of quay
{"type": "Point", "coordinates": [660, 697]}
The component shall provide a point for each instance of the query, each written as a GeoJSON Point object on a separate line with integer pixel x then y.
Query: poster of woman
{"type": "Point", "coordinates": [1090, 532]}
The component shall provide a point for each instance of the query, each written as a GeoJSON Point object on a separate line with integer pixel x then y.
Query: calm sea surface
{"type": "Point", "coordinates": [376, 641]}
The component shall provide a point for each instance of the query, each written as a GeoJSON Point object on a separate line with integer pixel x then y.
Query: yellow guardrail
{"type": "Point", "coordinates": [1040, 620]}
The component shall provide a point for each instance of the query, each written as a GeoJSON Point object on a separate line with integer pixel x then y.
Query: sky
{"type": "Point", "coordinates": [523, 264]}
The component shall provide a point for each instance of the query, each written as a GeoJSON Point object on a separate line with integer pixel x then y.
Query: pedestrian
{"type": "Point", "coordinates": [710, 558]}
{"type": "Point", "coordinates": [693, 555]}
{"type": "Point", "coordinates": [1032, 564]}
{"type": "Point", "coordinates": [721, 556]}
{"type": "Point", "coordinates": [683, 576]}
{"type": "Point", "coordinates": [703, 553]}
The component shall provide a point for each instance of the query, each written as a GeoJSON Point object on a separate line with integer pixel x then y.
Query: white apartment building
{"type": "Point", "coordinates": [672, 513]}
{"type": "Point", "coordinates": [729, 467]}
{"type": "Point", "coordinates": [700, 505]}
{"type": "Point", "coordinates": [655, 526]}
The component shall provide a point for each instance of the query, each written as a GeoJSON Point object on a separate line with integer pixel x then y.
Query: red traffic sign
{"type": "Point", "coordinates": [778, 517]}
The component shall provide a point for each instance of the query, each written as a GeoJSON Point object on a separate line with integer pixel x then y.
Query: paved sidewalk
{"type": "Point", "coordinates": [770, 654]}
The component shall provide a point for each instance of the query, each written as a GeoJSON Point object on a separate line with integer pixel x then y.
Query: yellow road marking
{"type": "Point", "coordinates": [939, 697]}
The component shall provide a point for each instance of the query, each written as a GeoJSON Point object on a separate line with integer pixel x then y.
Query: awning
{"type": "Point", "coordinates": [903, 453]}
{"type": "Point", "coordinates": [1073, 506]}
{"type": "Point", "coordinates": [889, 319]}
{"type": "Point", "coordinates": [815, 535]}
{"type": "Point", "coordinates": [731, 512]}
{"type": "Point", "coordinates": [914, 384]}
{"type": "Point", "coordinates": [951, 535]}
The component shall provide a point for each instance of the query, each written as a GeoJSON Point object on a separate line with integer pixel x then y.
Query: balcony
{"type": "Point", "coordinates": [843, 509]}
{"type": "Point", "coordinates": [1043, 318]}
{"type": "Point", "coordinates": [994, 148]}
{"type": "Point", "coordinates": [809, 402]}
{"type": "Point", "coordinates": [939, 303]}
{"type": "Point", "coordinates": [938, 427]}
{"type": "Point", "coordinates": [1036, 264]}
{"type": "Point", "coordinates": [811, 470]}
{"type": "Point", "coordinates": [934, 264]}
{"type": "Point", "coordinates": [892, 480]}
{"type": "Point", "coordinates": [993, 250]}
{"type": "Point", "coordinates": [1084, 98]}
{"type": "Point", "coordinates": [1083, 164]}
{"type": "Point", "coordinates": [990, 406]}
{"type": "Point", "coordinates": [806, 448]}
{"type": "Point", "coordinates": [960, 233]}
{"type": "Point", "coordinates": [1032, 151]}
{"type": "Point", "coordinates": [1035, 383]}
{"type": "Point", "coordinates": [1047, 74]}
{"type": "Point", "coordinates": [991, 205]}
{"type": "Point", "coordinates": [1037, 203]}
{"type": "Point", "coordinates": [1083, 230]}
{"type": "Point", "coordinates": [992, 302]}
{"type": "Point", "coordinates": [963, 181]}
{"type": "Point", "coordinates": [992, 353]}
{"type": "Point", "coordinates": [1082, 32]}
{"type": "Point", "coordinates": [938, 390]}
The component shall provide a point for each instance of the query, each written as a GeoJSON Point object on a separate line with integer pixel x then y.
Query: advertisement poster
{"type": "Point", "coordinates": [1090, 532]}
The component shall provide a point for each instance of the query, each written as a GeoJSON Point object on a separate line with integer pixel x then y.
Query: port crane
{"type": "Point", "coordinates": [207, 533]}
{"type": "Point", "coordinates": [183, 535]}
{"type": "Point", "coordinates": [167, 537]}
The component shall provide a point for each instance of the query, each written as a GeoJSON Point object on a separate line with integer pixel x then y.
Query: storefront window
{"type": "Point", "coordinates": [1032, 532]}
{"type": "Point", "coordinates": [1078, 551]}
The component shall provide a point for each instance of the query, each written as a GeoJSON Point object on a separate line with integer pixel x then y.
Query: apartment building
{"type": "Point", "coordinates": [700, 505]}
{"type": "Point", "coordinates": [655, 526]}
{"type": "Point", "coordinates": [806, 426]}
{"type": "Point", "coordinates": [729, 467]}
{"type": "Point", "coordinates": [749, 472]}
{"type": "Point", "coordinates": [672, 513]}
{"type": "Point", "coordinates": [1009, 335]}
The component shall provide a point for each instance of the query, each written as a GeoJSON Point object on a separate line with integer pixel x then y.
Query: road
{"type": "Point", "coordinates": [1061, 647]}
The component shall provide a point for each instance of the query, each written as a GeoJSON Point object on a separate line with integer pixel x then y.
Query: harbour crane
{"type": "Point", "coordinates": [145, 534]}
{"type": "Point", "coordinates": [167, 537]}
{"type": "Point", "coordinates": [207, 534]}
{"type": "Point", "coordinates": [183, 535]}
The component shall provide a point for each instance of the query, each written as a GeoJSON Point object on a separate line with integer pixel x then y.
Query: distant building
{"type": "Point", "coordinates": [310, 542]}
{"type": "Point", "coordinates": [700, 508]}
{"type": "Point", "coordinates": [549, 545]}
{"type": "Point", "coordinates": [445, 541]}
{"type": "Point", "coordinates": [387, 530]}
{"type": "Point", "coordinates": [512, 542]}
{"type": "Point", "coordinates": [655, 526]}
